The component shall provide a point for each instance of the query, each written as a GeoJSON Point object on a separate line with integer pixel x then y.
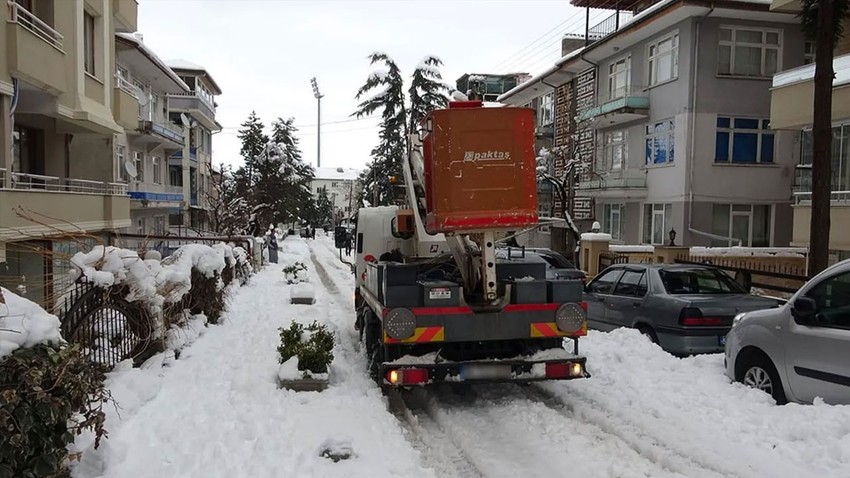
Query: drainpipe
{"type": "Point", "coordinates": [692, 129]}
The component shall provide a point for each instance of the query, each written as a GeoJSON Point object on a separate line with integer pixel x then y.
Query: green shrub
{"type": "Point", "coordinates": [313, 345]}
{"type": "Point", "coordinates": [47, 396]}
{"type": "Point", "coordinates": [293, 273]}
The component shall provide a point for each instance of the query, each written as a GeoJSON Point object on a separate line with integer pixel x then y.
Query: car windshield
{"type": "Point", "coordinates": [698, 281]}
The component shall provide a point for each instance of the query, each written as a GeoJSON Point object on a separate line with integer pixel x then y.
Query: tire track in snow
{"type": "Point", "coordinates": [638, 440]}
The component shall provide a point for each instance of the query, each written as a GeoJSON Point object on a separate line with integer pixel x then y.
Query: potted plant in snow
{"type": "Point", "coordinates": [305, 357]}
{"type": "Point", "coordinates": [302, 291]}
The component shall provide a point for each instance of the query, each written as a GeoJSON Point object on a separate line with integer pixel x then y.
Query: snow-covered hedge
{"type": "Point", "coordinates": [49, 391]}
{"type": "Point", "coordinates": [175, 290]}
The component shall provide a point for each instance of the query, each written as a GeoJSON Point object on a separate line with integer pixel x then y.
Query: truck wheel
{"type": "Point", "coordinates": [374, 348]}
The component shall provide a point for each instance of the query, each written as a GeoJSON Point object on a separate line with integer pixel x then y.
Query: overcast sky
{"type": "Point", "coordinates": [263, 54]}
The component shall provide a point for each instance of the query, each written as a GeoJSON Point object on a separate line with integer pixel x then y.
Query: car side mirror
{"type": "Point", "coordinates": [804, 309]}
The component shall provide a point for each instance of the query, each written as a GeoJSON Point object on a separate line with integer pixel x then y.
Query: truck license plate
{"type": "Point", "coordinates": [485, 372]}
{"type": "Point", "coordinates": [440, 293]}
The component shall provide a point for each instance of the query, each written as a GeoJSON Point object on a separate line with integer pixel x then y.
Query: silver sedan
{"type": "Point", "coordinates": [686, 309]}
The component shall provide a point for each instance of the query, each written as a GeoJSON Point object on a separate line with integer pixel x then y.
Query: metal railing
{"type": "Point", "coordinates": [38, 182]}
{"type": "Point", "coordinates": [23, 17]}
{"type": "Point", "coordinates": [125, 85]}
{"type": "Point", "coordinates": [610, 24]}
{"type": "Point", "coordinates": [836, 197]}
{"type": "Point", "coordinates": [203, 100]}
{"type": "Point", "coordinates": [162, 129]}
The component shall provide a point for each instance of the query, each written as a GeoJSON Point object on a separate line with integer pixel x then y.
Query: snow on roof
{"type": "Point", "coordinates": [167, 69]}
{"type": "Point", "coordinates": [24, 324]}
{"type": "Point", "coordinates": [840, 64]}
{"type": "Point", "coordinates": [349, 174]}
{"type": "Point", "coordinates": [184, 65]}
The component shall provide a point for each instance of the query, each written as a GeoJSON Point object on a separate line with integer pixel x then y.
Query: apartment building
{"type": "Point", "coordinates": [668, 117]}
{"type": "Point", "coordinates": [341, 185]}
{"type": "Point", "coordinates": [792, 105]}
{"type": "Point", "coordinates": [57, 173]}
{"type": "Point", "coordinates": [149, 138]}
{"type": "Point", "coordinates": [191, 167]}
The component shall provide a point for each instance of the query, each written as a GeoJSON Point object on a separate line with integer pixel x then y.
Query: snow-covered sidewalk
{"type": "Point", "coordinates": [217, 411]}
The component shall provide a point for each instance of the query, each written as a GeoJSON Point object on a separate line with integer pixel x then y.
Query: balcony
{"type": "Point", "coordinates": [200, 108]}
{"type": "Point", "coordinates": [631, 179]}
{"type": "Point", "coordinates": [59, 205]}
{"type": "Point", "coordinates": [625, 105]}
{"type": "Point", "coordinates": [176, 159]}
{"type": "Point", "coordinates": [792, 96]}
{"type": "Point", "coordinates": [167, 194]}
{"type": "Point", "coordinates": [839, 216]}
{"type": "Point", "coordinates": [35, 50]}
{"type": "Point", "coordinates": [126, 15]}
{"type": "Point", "coordinates": [609, 25]}
{"type": "Point", "coordinates": [162, 133]}
{"type": "Point", "coordinates": [786, 6]}
{"type": "Point", "coordinates": [125, 105]}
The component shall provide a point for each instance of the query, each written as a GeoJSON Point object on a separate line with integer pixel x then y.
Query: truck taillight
{"type": "Point", "coordinates": [407, 376]}
{"type": "Point", "coordinates": [564, 370]}
{"type": "Point", "coordinates": [692, 316]}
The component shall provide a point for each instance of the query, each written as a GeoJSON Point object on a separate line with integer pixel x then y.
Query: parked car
{"type": "Point", "coordinates": [557, 266]}
{"type": "Point", "coordinates": [686, 309]}
{"type": "Point", "coordinates": [799, 351]}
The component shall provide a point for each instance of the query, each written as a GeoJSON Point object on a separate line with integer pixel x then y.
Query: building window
{"type": "Point", "coordinates": [175, 175]}
{"type": "Point", "coordinates": [120, 158]}
{"type": "Point", "coordinates": [840, 177]}
{"type": "Point", "coordinates": [546, 110]}
{"type": "Point", "coordinates": [139, 163]}
{"type": "Point", "coordinates": [743, 141]}
{"type": "Point", "coordinates": [88, 42]}
{"type": "Point", "coordinates": [613, 220]}
{"type": "Point", "coordinates": [663, 59]}
{"type": "Point", "coordinates": [660, 139]}
{"type": "Point", "coordinates": [618, 78]}
{"type": "Point", "coordinates": [749, 52]}
{"type": "Point", "coordinates": [656, 218]}
{"type": "Point", "coordinates": [616, 150]}
{"type": "Point", "coordinates": [747, 223]}
{"type": "Point", "coordinates": [157, 170]}
{"type": "Point", "coordinates": [333, 184]}
{"type": "Point", "coordinates": [140, 225]}
{"type": "Point", "coordinates": [159, 224]}
{"type": "Point", "coordinates": [809, 53]}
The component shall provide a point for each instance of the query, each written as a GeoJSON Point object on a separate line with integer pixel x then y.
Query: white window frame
{"type": "Point", "coordinates": [763, 46]}
{"type": "Point", "coordinates": [658, 214]}
{"type": "Point", "coordinates": [748, 211]}
{"type": "Point", "coordinates": [610, 211]}
{"type": "Point", "coordinates": [140, 225]}
{"type": "Point", "coordinates": [653, 58]}
{"type": "Point", "coordinates": [90, 43]}
{"type": "Point", "coordinates": [653, 135]}
{"type": "Point", "coordinates": [546, 110]}
{"type": "Point", "coordinates": [809, 52]}
{"type": "Point", "coordinates": [613, 141]}
{"type": "Point", "coordinates": [157, 169]}
{"type": "Point", "coordinates": [615, 90]}
{"type": "Point", "coordinates": [139, 163]}
{"type": "Point", "coordinates": [159, 224]}
{"type": "Point", "coordinates": [761, 132]}
{"type": "Point", "coordinates": [120, 158]}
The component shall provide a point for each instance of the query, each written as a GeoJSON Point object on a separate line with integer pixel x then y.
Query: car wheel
{"type": "Point", "coordinates": [647, 330]}
{"type": "Point", "coordinates": [758, 372]}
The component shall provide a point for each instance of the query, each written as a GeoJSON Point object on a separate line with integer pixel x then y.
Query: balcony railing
{"type": "Point", "coordinates": [128, 87]}
{"type": "Point", "coordinates": [161, 129]}
{"type": "Point", "coordinates": [621, 179]}
{"type": "Point", "coordinates": [609, 25]}
{"type": "Point", "coordinates": [208, 106]}
{"type": "Point", "coordinates": [632, 97]}
{"type": "Point", "coordinates": [837, 198]}
{"type": "Point", "coordinates": [38, 182]}
{"type": "Point", "coordinates": [23, 17]}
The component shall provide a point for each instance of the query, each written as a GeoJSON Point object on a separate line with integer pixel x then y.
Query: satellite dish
{"type": "Point", "coordinates": [140, 95]}
{"type": "Point", "coordinates": [184, 119]}
{"type": "Point", "coordinates": [131, 169]}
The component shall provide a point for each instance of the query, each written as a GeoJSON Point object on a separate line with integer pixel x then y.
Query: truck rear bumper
{"type": "Point", "coordinates": [413, 371]}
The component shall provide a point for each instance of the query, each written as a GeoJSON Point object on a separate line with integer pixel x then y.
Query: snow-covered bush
{"type": "Point", "coordinates": [305, 351]}
{"type": "Point", "coordinates": [295, 273]}
{"type": "Point", "coordinates": [49, 392]}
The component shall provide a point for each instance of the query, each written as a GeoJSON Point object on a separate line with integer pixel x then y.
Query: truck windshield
{"type": "Point", "coordinates": [698, 281]}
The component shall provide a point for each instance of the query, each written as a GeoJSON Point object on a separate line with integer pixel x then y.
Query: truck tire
{"type": "Point", "coordinates": [374, 347]}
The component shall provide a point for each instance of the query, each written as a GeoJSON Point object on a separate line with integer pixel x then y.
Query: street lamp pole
{"type": "Point", "coordinates": [318, 97]}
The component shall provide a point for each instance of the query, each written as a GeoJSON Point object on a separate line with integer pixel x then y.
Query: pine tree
{"type": "Point", "coordinates": [253, 142]}
{"type": "Point", "coordinates": [296, 198]}
{"type": "Point", "coordinates": [427, 91]}
{"type": "Point", "coordinates": [324, 209]}
{"type": "Point", "coordinates": [392, 145]}
{"type": "Point", "coordinates": [229, 209]}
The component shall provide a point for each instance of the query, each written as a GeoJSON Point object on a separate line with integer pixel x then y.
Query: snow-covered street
{"type": "Point", "coordinates": [217, 412]}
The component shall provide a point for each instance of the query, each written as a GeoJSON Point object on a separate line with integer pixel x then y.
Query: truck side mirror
{"type": "Point", "coordinates": [804, 309]}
